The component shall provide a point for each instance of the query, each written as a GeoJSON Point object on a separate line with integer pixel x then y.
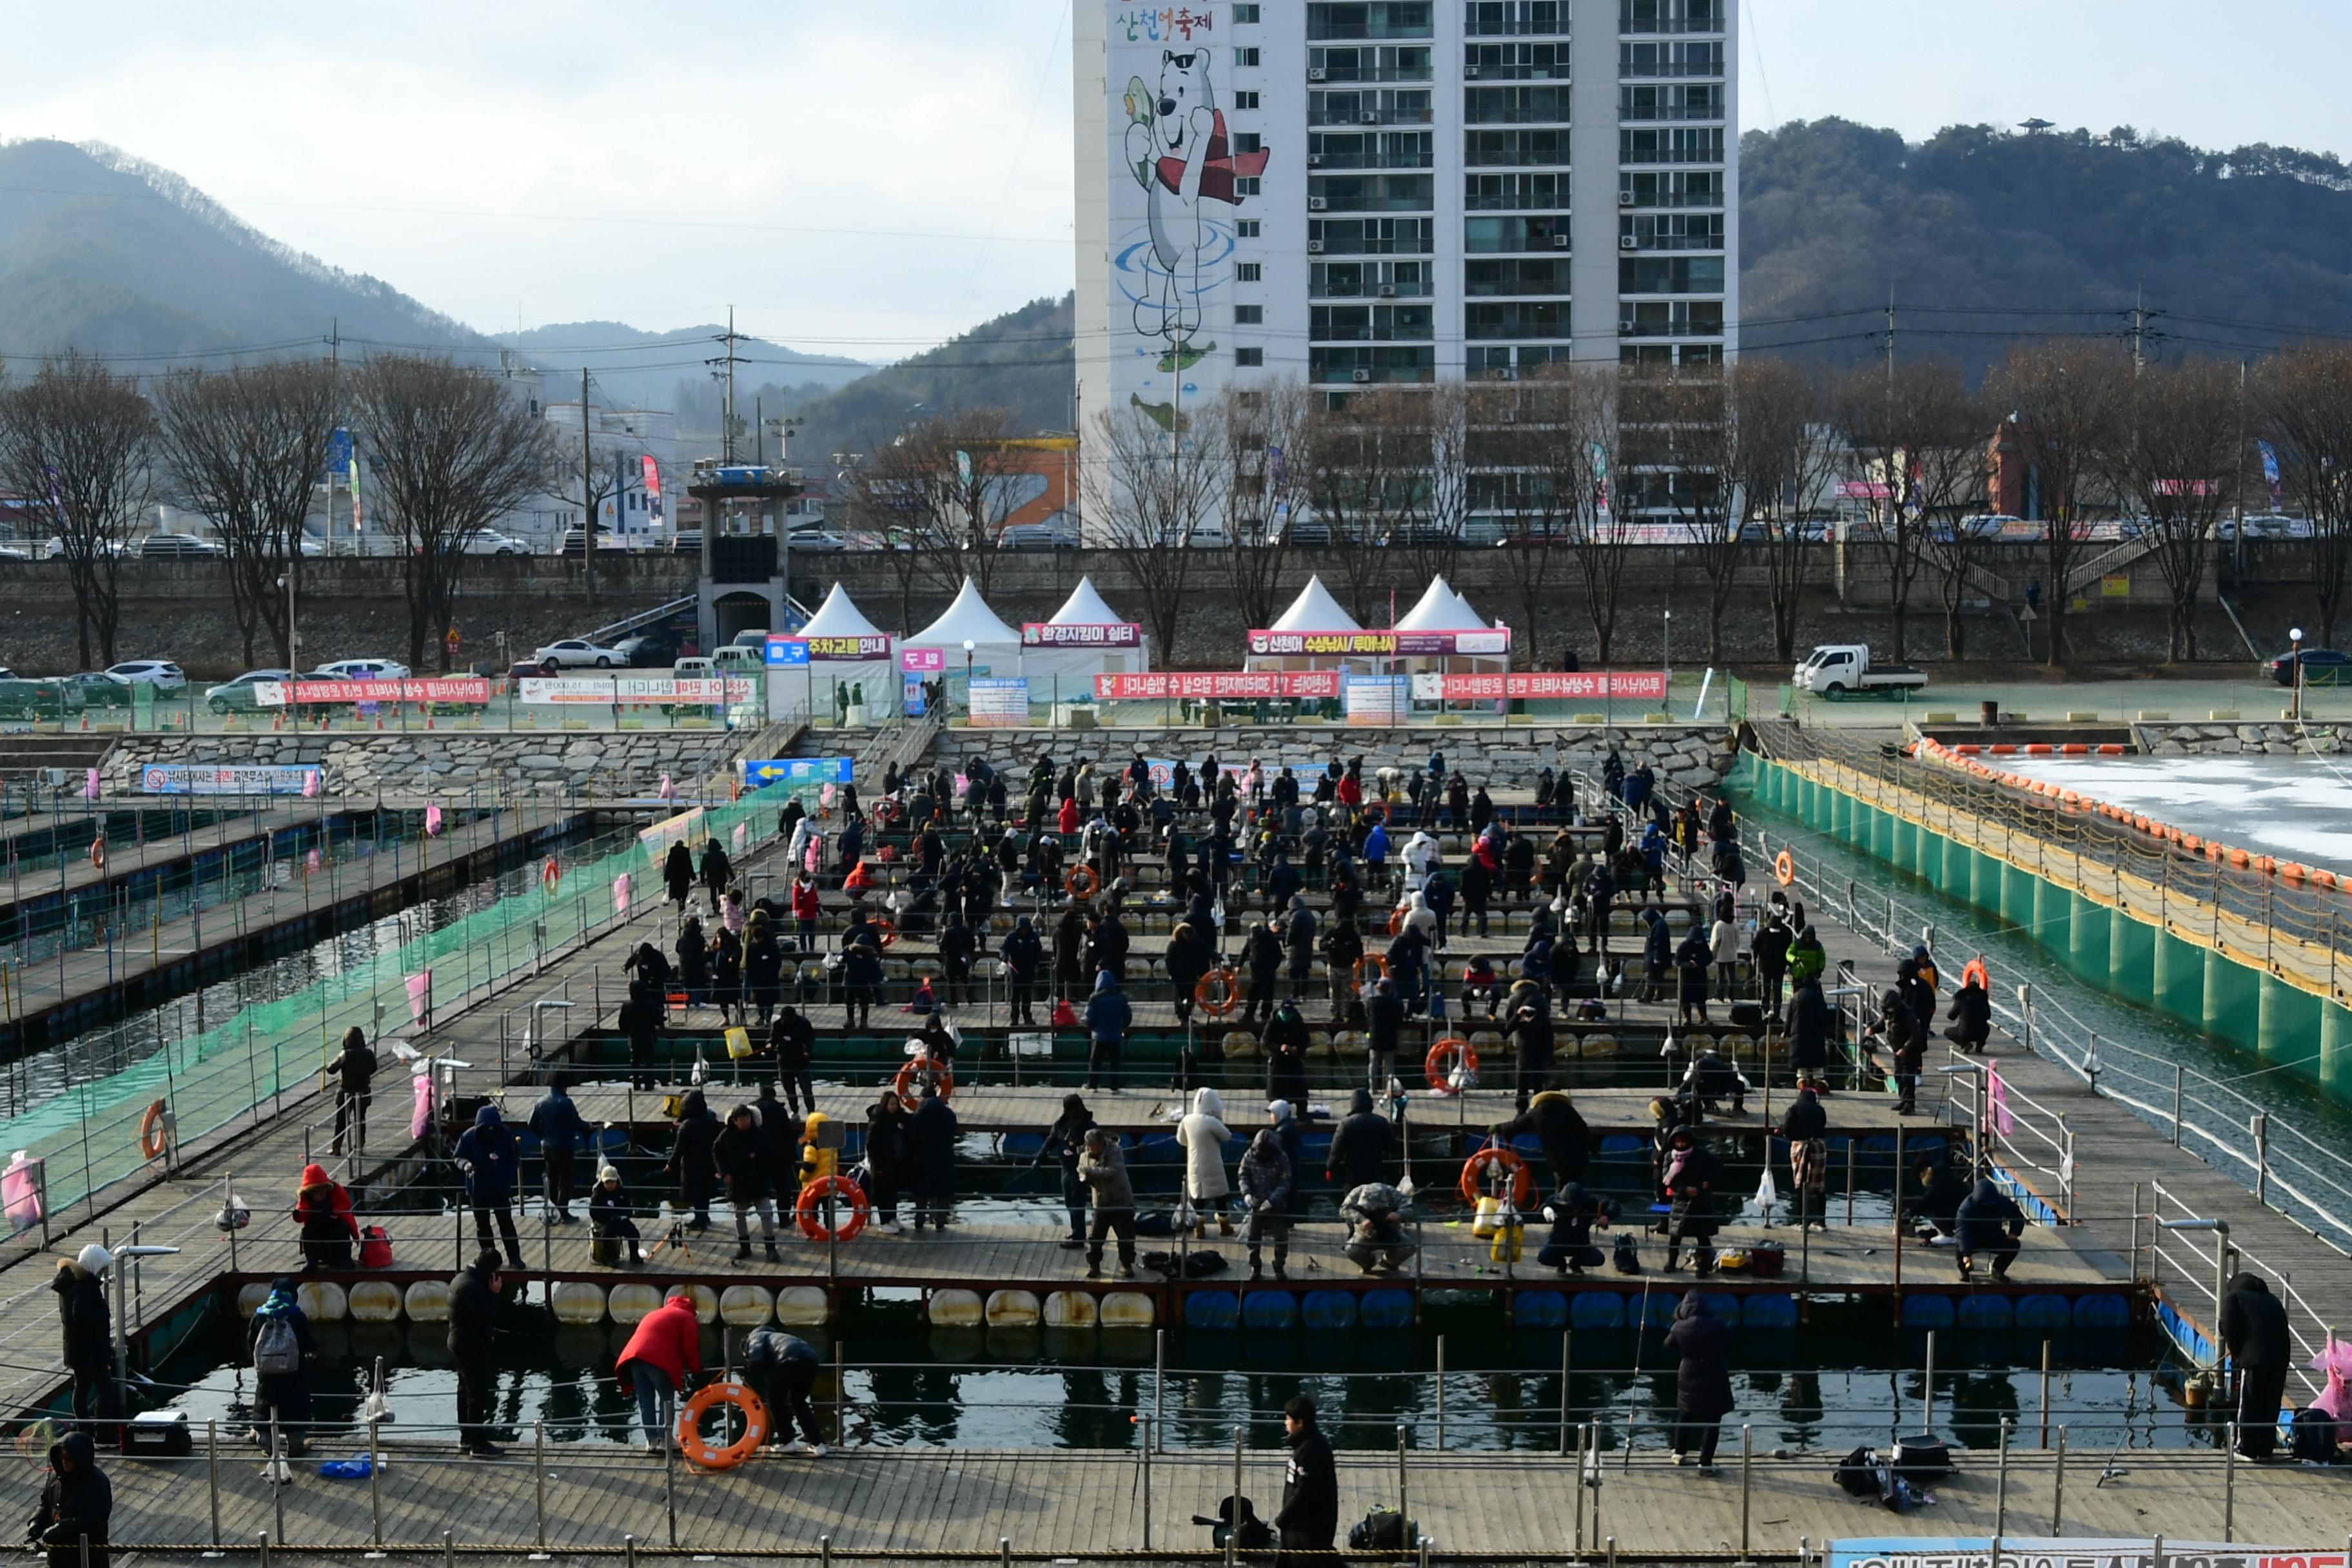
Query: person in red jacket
{"type": "Point", "coordinates": [324, 1211]}
{"type": "Point", "coordinates": [1065, 821]}
{"type": "Point", "coordinates": [667, 1345]}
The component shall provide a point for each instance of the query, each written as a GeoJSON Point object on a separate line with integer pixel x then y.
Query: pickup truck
{"type": "Point", "coordinates": [1845, 668]}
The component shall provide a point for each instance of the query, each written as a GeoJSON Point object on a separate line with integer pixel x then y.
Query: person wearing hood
{"type": "Point", "coordinates": [1202, 1136]}
{"type": "Point", "coordinates": [885, 1157]}
{"type": "Point", "coordinates": [792, 1042]}
{"type": "Point", "coordinates": [1108, 1017]}
{"type": "Point", "coordinates": [640, 1019]}
{"type": "Point", "coordinates": [764, 970]}
{"type": "Point", "coordinates": [1527, 1017]}
{"type": "Point", "coordinates": [1971, 1015]}
{"type": "Point", "coordinates": [280, 1347]}
{"type": "Point", "coordinates": [727, 976]}
{"type": "Point", "coordinates": [930, 1159]}
{"type": "Point", "coordinates": [1360, 1146]}
{"type": "Point", "coordinates": [2254, 1329]}
{"type": "Point", "coordinates": [1384, 1016]}
{"type": "Point", "coordinates": [1772, 951]}
{"type": "Point", "coordinates": [1188, 960]}
{"type": "Point", "coordinates": [1691, 961]}
{"type": "Point", "coordinates": [1988, 1227]}
{"type": "Point", "coordinates": [1286, 1054]}
{"type": "Point", "coordinates": [781, 1135]}
{"type": "Point", "coordinates": [1572, 1213]}
{"type": "Point", "coordinates": [717, 872]}
{"type": "Point", "coordinates": [609, 1221]}
{"type": "Point", "coordinates": [783, 1368]}
{"type": "Point", "coordinates": [1309, 1520]}
{"type": "Point", "coordinates": [354, 1071]}
{"type": "Point", "coordinates": [1069, 951]}
{"type": "Point", "coordinates": [1024, 955]}
{"type": "Point", "coordinates": [1421, 854]}
{"type": "Point", "coordinates": [1937, 1210]}
{"type": "Point", "coordinates": [1691, 1169]}
{"type": "Point", "coordinates": [677, 874]}
{"type": "Point", "coordinates": [1561, 1131]}
{"type": "Point", "coordinates": [89, 1334]}
{"type": "Point", "coordinates": [322, 1209]}
{"type": "Point", "coordinates": [488, 1155]}
{"type": "Point", "coordinates": [1298, 932]}
{"type": "Point", "coordinates": [555, 1122]}
{"type": "Point", "coordinates": [1102, 1167]}
{"type": "Point", "coordinates": [1804, 1127]}
{"type": "Point", "coordinates": [473, 1316]}
{"type": "Point", "coordinates": [691, 1167]}
{"type": "Point", "coordinates": [1261, 960]}
{"type": "Point", "coordinates": [77, 1505]}
{"type": "Point", "coordinates": [1374, 1214]}
{"type": "Point", "coordinates": [1808, 959]}
{"type": "Point", "coordinates": [957, 946]}
{"type": "Point", "coordinates": [1408, 957]}
{"type": "Point", "coordinates": [1898, 1030]}
{"type": "Point", "coordinates": [666, 1345]}
{"type": "Point", "coordinates": [1702, 1382]}
{"type": "Point", "coordinates": [1266, 1185]}
{"type": "Point", "coordinates": [861, 984]}
{"type": "Point", "coordinates": [1657, 954]}
{"type": "Point", "coordinates": [1809, 1030]}
{"type": "Point", "coordinates": [1066, 1140]}
{"type": "Point", "coordinates": [740, 1157]}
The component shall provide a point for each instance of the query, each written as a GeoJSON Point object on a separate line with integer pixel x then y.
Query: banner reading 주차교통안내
{"type": "Point", "coordinates": [2066, 1552]}
{"type": "Point", "coordinates": [999, 702]}
{"type": "Point", "coordinates": [166, 778]}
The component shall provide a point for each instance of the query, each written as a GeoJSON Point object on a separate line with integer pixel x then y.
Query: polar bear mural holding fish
{"type": "Point", "coordinates": [1179, 152]}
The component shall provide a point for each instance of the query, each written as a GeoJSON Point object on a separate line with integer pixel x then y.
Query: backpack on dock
{"type": "Point", "coordinates": [375, 1248]}
{"type": "Point", "coordinates": [277, 1352]}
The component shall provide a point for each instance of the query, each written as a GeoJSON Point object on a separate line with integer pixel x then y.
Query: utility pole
{"type": "Point", "coordinates": [587, 493]}
{"type": "Point", "coordinates": [2140, 317]}
{"type": "Point", "coordinates": [1890, 337]}
{"type": "Point", "coordinates": [726, 416]}
{"type": "Point", "coordinates": [335, 379]}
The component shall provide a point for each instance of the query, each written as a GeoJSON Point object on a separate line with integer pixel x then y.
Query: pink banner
{"type": "Point", "coordinates": [1542, 686]}
{"type": "Point", "coordinates": [446, 688]}
{"type": "Point", "coordinates": [420, 995]}
{"type": "Point", "coordinates": [621, 884]}
{"type": "Point", "coordinates": [922, 660]}
{"type": "Point", "coordinates": [1114, 633]}
{"type": "Point", "coordinates": [1163, 684]}
{"type": "Point", "coordinates": [1998, 1092]}
{"type": "Point", "coordinates": [420, 1117]}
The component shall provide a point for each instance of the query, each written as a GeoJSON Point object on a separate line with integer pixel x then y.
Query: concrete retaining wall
{"type": "Point", "coordinates": [450, 765]}
{"type": "Point", "coordinates": [2227, 738]}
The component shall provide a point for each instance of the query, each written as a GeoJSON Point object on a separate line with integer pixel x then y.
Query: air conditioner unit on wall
{"type": "Point", "coordinates": [1624, 198]}
{"type": "Point", "coordinates": [1369, 116]}
{"type": "Point", "coordinates": [1627, 242]}
{"type": "Point", "coordinates": [1314, 160]}
{"type": "Point", "coordinates": [1469, 73]}
{"type": "Point", "coordinates": [1314, 247]}
{"type": "Point", "coordinates": [1387, 291]}
{"type": "Point", "coordinates": [1560, 242]}
{"type": "Point", "coordinates": [1315, 204]}
{"type": "Point", "coordinates": [1313, 73]}
{"type": "Point", "coordinates": [1363, 375]}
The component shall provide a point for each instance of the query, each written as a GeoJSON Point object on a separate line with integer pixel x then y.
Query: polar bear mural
{"type": "Point", "coordinates": [1178, 151]}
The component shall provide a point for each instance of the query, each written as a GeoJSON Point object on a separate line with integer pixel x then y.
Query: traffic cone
{"type": "Point", "coordinates": [379, 721]}
{"type": "Point", "coordinates": [85, 720]}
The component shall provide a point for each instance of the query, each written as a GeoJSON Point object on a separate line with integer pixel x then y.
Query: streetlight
{"type": "Point", "coordinates": [2295, 652]}
{"type": "Point", "coordinates": [293, 649]}
{"type": "Point", "coordinates": [967, 676]}
{"type": "Point", "coordinates": [1666, 641]}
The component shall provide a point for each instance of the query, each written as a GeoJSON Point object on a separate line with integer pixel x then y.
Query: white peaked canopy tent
{"type": "Point", "coordinates": [1314, 610]}
{"type": "Point", "coordinates": [1440, 609]}
{"type": "Point", "coordinates": [1070, 670]}
{"type": "Point", "coordinates": [967, 620]}
{"type": "Point", "coordinates": [874, 681]}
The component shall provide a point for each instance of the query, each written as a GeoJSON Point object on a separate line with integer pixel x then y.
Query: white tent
{"type": "Point", "coordinates": [1084, 607]}
{"type": "Point", "coordinates": [825, 681]}
{"type": "Point", "coordinates": [967, 620]}
{"type": "Point", "coordinates": [1440, 609]}
{"type": "Point", "coordinates": [1314, 610]}
{"type": "Point", "coordinates": [1059, 671]}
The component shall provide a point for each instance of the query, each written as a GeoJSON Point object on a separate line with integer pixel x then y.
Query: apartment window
{"type": "Point", "coordinates": [1516, 62]}
{"type": "Point", "coordinates": [1247, 184]}
{"type": "Point", "coordinates": [1246, 228]}
{"type": "Point", "coordinates": [1249, 357]}
{"type": "Point", "coordinates": [1248, 272]}
{"type": "Point", "coordinates": [1514, 105]}
{"type": "Point", "coordinates": [1670, 16]}
{"type": "Point", "coordinates": [1244, 101]}
{"type": "Point", "coordinates": [1544, 320]}
{"type": "Point", "coordinates": [1370, 19]}
{"type": "Point", "coordinates": [1249, 315]}
{"type": "Point", "coordinates": [1512, 192]}
{"type": "Point", "coordinates": [1244, 13]}
{"type": "Point", "coordinates": [1247, 141]}
{"type": "Point", "coordinates": [1670, 275]}
{"type": "Point", "coordinates": [1246, 58]}
{"type": "Point", "coordinates": [1502, 18]}
{"type": "Point", "coordinates": [1510, 147]}
{"type": "Point", "coordinates": [1670, 146]}
{"type": "Point", "coordinates": [1373, 237]}
{"type": "Point", "coordinates": [1501, 236]}
{"type": "Point", "coordinates": [1534, 275]}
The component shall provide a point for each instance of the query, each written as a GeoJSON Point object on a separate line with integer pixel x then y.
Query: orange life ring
{"type": "Point", "coordinates": [1443, 1059]}
{"type": "Point", "coordinates": [700, 1450]}
{"type": "Point", "coordinates": [1217, 992]}
{"type": "Point", "coordinates": [150, 1130]}
{"type": "Point", "coordinates": [1975, 970]}
{"type": "Point", "coordinates": [1071, 884]}
{"type": "Point", "coordinates": [885, 933]}
{"type": "Point", "coordinates": [1784, 868]}
{"type": "Point", "coordinates": [1474, 1172]}
{"type": "Point", "coordinates": [549, 874]}
{"type": "Point", "coordinates": [97, 852]}
{"type": "Point", "coordinates": [1396, 920]}
{"type": "Point", "coordinates": [1380, 969]}
{"type": "Point", "coordinates": [813, 1197]}
{"type": "Point", "coordinates": [942, 1076]}
{"type": "Point", "coordinates": [888, 811]}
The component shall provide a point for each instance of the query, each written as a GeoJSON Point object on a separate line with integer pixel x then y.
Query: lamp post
{"type": "Point", "coordinates": [1666, 643]}
{"type": "Point", "coordinates": [2295, 652]}
{"type": "Point", "coordinates": [293, 640]}
{"type": "Point", "coordinates": [967, 679]}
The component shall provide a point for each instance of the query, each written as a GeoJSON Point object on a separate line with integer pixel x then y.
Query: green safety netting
{"type": "Point", "coordinates": [91, 1135]}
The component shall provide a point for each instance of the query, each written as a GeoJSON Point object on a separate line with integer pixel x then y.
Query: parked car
{"type": "Point", "coordinates": [101, 690]}
{"type": "Point", "coordinates": [2321, 667]}
{"type": "Point", "coordinates": [49, 698]}
{"type": "Point", "coordinates": [15, 552]}
{"type": "Point", "coordinates": [491, 542]}
{"type": "Point", "coordinates": [2262, 526]}
{"type": "Point", "coordinates": [176, 546]}
{"type": "Point", "coordinates": [814, 540]}
{"type": "Point", "coordinates": [363, 669]}
{"type": "Point", "coordinates": [1060, 535]}
{"type": "Point", "coordinates": [160, 673]}
{"type": "Point", "coordinates": [577, 653]}
{"type": "Point", "coordinates": [737, 661]}
{"type": "Point", "coordinates": [576, 541]}
{"type": "Point", "coordinates": [240, 695]}
{"type": "Point", "coordinates": [1307, 534]}
{"type": "Point", "coordinates": [693, 669]}
{"type": "Point", "coordinates": [647, 650]}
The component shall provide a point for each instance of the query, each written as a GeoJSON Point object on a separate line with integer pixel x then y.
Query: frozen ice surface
{"type": "Point", "coordinates": [2293, 808]}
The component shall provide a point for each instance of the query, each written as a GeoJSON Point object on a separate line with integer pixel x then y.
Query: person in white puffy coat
{"type": "Point", "coordinates": [1202, 1135]}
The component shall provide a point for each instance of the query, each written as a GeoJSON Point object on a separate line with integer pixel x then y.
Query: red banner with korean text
{"type": "Point", "coordinates": [1215, 685]}
{"type": "Point", "coordinates": [1543, 686]}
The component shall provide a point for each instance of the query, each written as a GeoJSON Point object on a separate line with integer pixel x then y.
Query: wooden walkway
{"type": "Point", "coordinates": [940, 1504]}
{"type": "Point", "coordinates": [136, 862]}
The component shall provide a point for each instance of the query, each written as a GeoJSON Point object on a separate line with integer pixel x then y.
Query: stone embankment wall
{"type": "Point", "coordinates": [1694, 755]}
{"type": "Point", "coordinates": [452, 766]}
{"type": "Point", "coordinates": [2221, 738]}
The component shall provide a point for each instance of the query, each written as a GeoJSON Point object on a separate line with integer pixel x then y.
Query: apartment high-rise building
{"type": "Point", "coordinates": [1364, 192]}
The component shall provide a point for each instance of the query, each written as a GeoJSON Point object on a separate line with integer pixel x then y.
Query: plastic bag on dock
{"type": "Point", "coordinates": [2336, 1361]}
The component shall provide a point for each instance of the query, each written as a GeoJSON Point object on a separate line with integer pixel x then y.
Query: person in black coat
{"type": "Point", "coordinates": [763, 968]}
{"type": "Point", "coordinates": [693, 962]}
{"type": "Point", "coordinates": [1384, 1026]}
{"type": "Point", "coordinates": [1703, 1383]}
{"type": "Point", "coordinates": [2255, 1329]}
{"type": "Point", "coordinates": [1691, 961]}
{"type": "Point", "coordinates": [1691, 1169]}
{"type": "Point", "coordinates": [1772, 949]}
{"type": "Point", "coordinates": [957, 945]}
{"type": "Point", "coordinates": [1567, 1141]}
{"type": "Point", "coordinates": [1989, 1226]}
{"type": "Point", "coordinates": [930, 1159]}
{"type": "Point", "coordinates": [1299, 941]}
{"type": "Point", "coordinates": [792, 1042]}
{"type": "Point", "coordinates": [1937, 1210]}
{"type": "Point", "coordinates": [77, 1504]}
{"type": "Point", "coordinates": [1188, 959]}
{"type": "Point", "coordinates": [886, 1158]}
{"type": "Point", "coordinates": [1070, 954]}
{"type": "Point", "coordinates": [1972, 1016]}
{"type": "Point", "coordinates": [473, 1312]}
{"type": "Point", "coordinates": [1527, 1017]}
{"type": "Point", "coordinates": [1023, 956]}
{"type": "Point", "coordinates": [640, 1019]}
{"type": "Point", "coordinates": [1573, 1212]}
{"type": "Point", "coordinates": [677, 874]}
{"type": "Point", "coordinates": [354, 1071]}
{"type": "Point", "coordinates": [1805, 1126]}
{"type": "Point", "coordinates": [690, 1162]}
{"type": "Point", "coordinates": [1286, 1054]}
{"type": "Point", "coordinates": [1309, 1519]}
{"type": "Point", "coordinates": [1809, 1030]}
{"type": "Point", "coordinates": [861, 984]}
{"type": "Point", "coordinates": [1360, 1146]}
{"type": "Point", "coordinates": [741, 1156]}
{"type": "Point", "coordinates": [1067, 1139]}
{"type": "Point", "coordinates": [89, 1337]}
{"type": "Point", "coordinates": [717, 872]}
{"type": "Point", "coordinates": [1898, 1031]}
{"type": "Point", "coordinates": [1657, 954]}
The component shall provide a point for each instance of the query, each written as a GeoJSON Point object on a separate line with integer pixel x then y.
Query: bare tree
{"type": "Point", "coordinates": [891, 492]}
{"type": "Point", "coordinates": [244, 446]}
{"type": "Point", "coordinates": [452, 451]}
{"type": "Point", "coordinates": [1679, 435]}
{"type": "Point", "coordinates": [1362, 463]}
{"type": "Point", "coordinates": [2065, 400]}
{"type": "Point", "coordinates": [1903, 427]}
{"type": "Point", "coordinates": [1437, 428]}
{"type": "Point", "coordinates": [2175, 450]}
{"type": "Point", "coordinates": [1542, 465]}
{"type": "Point", "coordinates": [2306, 402]}
{"type": "Point", "coordinates": [1147, 490]}
{"type": "Point", "coordinates": [946, 487]}
{"type": "Point", "coordinates": [1782, 456]}
{"type": "Point", "coordinates": [1265, 441]}
{"type": "Point", "coordinates": [83, 437]}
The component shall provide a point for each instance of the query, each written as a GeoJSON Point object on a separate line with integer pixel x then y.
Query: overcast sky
{"type": "Point", "coordinates": [870, 179]}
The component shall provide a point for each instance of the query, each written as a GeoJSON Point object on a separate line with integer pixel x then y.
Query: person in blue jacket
{"type": "Point", "coordinates": [488, 1155]}
{"type": "Point", "coordinates": [1108, 1017]}
{"type": "Point", "coordinates": [555, 1122]}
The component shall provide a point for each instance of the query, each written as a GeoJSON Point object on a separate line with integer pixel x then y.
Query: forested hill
{"type": "Point", "coordinates": [1984, 235]}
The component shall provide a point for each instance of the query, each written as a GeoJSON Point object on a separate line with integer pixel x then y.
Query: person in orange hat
{"type": "Point", "coordinates": [324, 1210]}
